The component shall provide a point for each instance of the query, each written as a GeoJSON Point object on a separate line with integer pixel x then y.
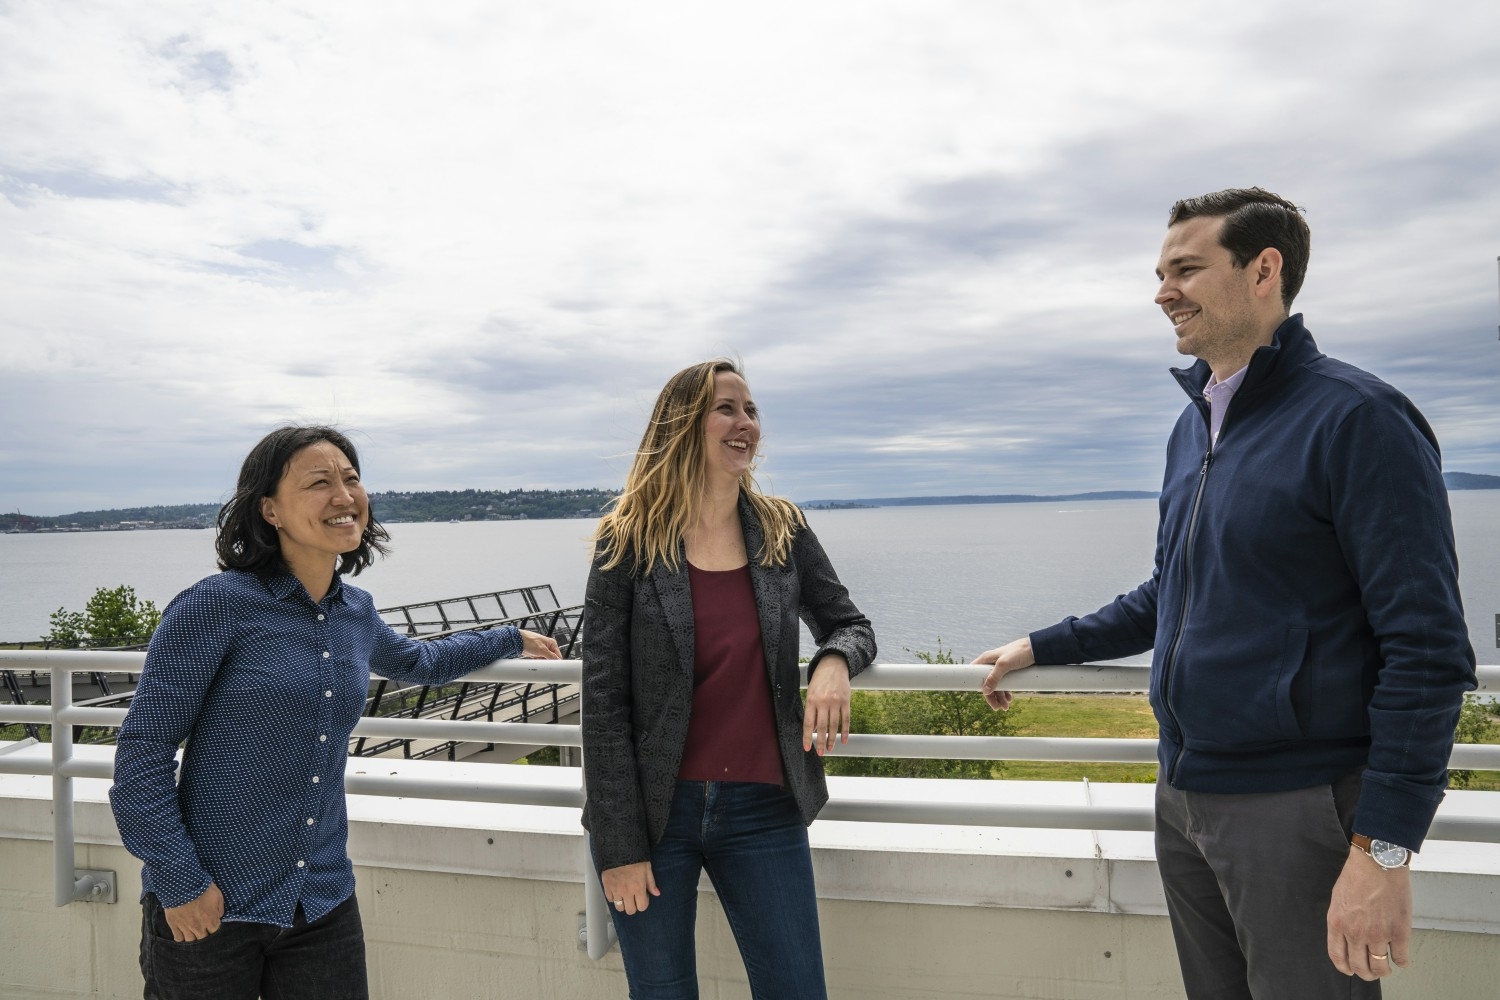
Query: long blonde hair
{"type": "Point", "coordinates": [664, 491]}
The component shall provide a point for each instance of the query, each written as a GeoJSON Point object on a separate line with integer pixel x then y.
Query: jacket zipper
{"type": "Point", "coordinates": [1187, 600]}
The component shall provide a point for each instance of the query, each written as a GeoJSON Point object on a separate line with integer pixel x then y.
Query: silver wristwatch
{"type": "Point", "coordinates": [1386, 854]}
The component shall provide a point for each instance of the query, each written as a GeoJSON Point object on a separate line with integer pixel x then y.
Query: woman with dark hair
{"type": "Point", "coordinates": [698, 752]}
{"type": "Point", "coordinates": [263, 669]}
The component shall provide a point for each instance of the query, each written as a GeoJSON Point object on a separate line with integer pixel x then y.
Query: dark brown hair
{"type": "Point", "coordinates": [1255, 219]}
{"type": "Point", "coordinates": [247, 541]}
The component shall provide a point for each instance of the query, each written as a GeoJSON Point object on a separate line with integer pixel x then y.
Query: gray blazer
{"type": "Point", "coordinates": [638, 683]}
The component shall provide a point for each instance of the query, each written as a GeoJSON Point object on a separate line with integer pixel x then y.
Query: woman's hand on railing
{"type": "Point", "coordinates": [535, 646]}
{"type": "Point", "coordinates": [1015, 655]}
{"type": "Point", "coordinates": [826, 713]}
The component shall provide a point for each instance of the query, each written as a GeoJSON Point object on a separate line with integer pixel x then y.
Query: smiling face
{"type": "Point", "coordinates": [731, 431]}
{"type": "Point", "coordinates": [1217, 309]}
{"type": "Point", "coordinates": [319, 509]}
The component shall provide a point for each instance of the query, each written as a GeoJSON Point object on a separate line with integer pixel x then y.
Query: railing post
{"type": "Point", "coordinates": [62, 790]}
{"type": "Point", "coordinates": [68, 884]}
{"type": "Point", "coordinates": [598, 927]}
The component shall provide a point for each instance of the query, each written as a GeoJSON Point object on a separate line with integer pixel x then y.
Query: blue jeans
{"type": "Point", "coordinates": [751, 840]}
{"type": "Point", "coordinates": [323, 960]}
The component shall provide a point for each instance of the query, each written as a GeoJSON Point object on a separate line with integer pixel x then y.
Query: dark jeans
{"type": "Point", "coordinates": [323, 960]}
{"type": "Point", "coordinates": [1248, 881]}
{"type": "Point", "coordinates": [751, 840]}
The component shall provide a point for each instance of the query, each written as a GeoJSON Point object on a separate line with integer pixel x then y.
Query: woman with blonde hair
{"type": "Point", "coordinates": [698, 751]}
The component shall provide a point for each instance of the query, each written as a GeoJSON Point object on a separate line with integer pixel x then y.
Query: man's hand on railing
{"type": "Point", "coordinates": [198, 919]}
{"type": "Point", "coordinates": [1011, 656]}
{"type": "Point", "coordinates": [535, 646]}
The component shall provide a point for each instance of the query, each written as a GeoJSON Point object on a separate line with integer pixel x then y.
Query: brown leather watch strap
{"type": "Point", "coordinates": [1362, 842]}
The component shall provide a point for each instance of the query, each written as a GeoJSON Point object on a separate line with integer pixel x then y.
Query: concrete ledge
{"type": "Point", "coordinates": [1456, 884]}
{"type": "Point", "coordinates": [467, 899]}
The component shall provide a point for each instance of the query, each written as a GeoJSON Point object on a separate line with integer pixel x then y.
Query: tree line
{"type": "Point", "coordinates": [393, 506]}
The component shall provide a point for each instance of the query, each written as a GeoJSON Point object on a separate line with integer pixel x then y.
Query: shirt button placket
{"type": "Point", "coordinates": [325, 717]}
{"type": "Point", "coordinates": [325, 675]}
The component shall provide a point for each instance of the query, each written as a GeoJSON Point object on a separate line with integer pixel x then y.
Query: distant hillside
{"type": "Point", "coordinates": [489, 505]}
{"type": "Point", "coordinates": [1453, 480]}
{"type": "Point", "coordinates": [989, 498]}
{"type": "Point", "coordinates": [1470, 481]}
{"type": "Point", "coordinates": [190, 515]}
{"type": "Point", "coordinates": [391, 507]}
{"type": "Point", "coordinates": [515, 505]}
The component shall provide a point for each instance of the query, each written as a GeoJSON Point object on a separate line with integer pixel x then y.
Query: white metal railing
{"type": "Point", "coordinates": [70, 885]}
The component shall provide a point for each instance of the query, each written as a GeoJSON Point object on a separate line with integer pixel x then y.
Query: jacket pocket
{"type": "Point", "coordinates": [1293, 656]}
{"type": "Point", "coordinates": [1243, 698]}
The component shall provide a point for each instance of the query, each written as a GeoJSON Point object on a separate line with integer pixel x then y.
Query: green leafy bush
{"type": "Point", "coordinates": [935, 713]}
{"type": "Point", "coordinates": [112, 617]}
{"type": "Point", "coordinates": [1474, 726]}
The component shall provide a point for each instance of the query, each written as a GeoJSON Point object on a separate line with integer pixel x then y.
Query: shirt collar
{"type": "Point", "coordinates": [1231, 384]}
{"type": "Point", "coordinates": [285, 585]}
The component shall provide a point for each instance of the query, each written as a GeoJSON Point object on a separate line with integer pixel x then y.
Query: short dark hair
{"type": "Point", "coordinates": [247, 541]}
{"type": "Point", "coordinates": [1255, 219]}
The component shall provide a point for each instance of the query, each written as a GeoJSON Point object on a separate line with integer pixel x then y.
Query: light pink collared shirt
{"type": "Point", "coordinates": [1219, 394]}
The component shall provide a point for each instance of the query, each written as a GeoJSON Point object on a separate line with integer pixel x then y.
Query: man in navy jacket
{"type": "Point", "coordinates": [1310, 651]}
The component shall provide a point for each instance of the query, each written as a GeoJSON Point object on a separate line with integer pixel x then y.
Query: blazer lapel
{"type": "Point", "coordinates": [766, 583]}
{"type": "Point", "coordinates": [675, 592]}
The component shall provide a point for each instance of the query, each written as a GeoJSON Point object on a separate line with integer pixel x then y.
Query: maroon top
{"type": "Point", "coordinates": [732, 728]}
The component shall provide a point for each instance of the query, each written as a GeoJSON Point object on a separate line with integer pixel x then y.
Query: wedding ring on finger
{"type": "Point", "coordinates": [619, 904]}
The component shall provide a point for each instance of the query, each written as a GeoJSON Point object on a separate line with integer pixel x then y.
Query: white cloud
{"type": "Point", "coordinates": [484, 233]}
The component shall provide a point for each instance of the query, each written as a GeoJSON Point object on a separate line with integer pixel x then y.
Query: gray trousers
{"type": "Point", "coordinates": [1248, 881]}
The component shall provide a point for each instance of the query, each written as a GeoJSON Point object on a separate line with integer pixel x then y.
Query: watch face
{"type": "Point", "coordinates": [1388, 855]}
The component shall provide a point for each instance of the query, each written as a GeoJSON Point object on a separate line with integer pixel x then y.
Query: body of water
{"type": "Point", "coordinates": [969, 577]}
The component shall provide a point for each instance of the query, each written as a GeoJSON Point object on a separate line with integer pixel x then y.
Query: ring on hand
{"type": "Point", "coordinates": [619, 904]}
{"type": "Point", "coordinates": [1381, 957]}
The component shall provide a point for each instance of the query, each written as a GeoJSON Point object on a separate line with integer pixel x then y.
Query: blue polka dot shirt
{"type": "Point", "coordinates": [264, 686]}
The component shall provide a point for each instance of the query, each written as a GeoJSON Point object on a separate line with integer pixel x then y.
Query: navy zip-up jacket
{"type": "Point", "coordinates": [1304, 610]}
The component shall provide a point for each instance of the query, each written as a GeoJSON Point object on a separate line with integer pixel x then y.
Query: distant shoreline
{"type": "Point", "coordinates": [464, 506]}
{"type": "Point", "coordinates": [958, 500]}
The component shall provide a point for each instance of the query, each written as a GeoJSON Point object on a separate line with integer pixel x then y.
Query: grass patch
{"type": "Point", "coordinates": [545, 757]}
{"type": "Point", "coordinates": [1123, 717]}
{"type": "Point", "coordinates": [1062, 770]}
{"type": "Point", "coordinates": [1129, 717]}
{"type": "Point", "coordinates": [1068, 715]}
{"type": "Point", "coordinates": [16, 732]}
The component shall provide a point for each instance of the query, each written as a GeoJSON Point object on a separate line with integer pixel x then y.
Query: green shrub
{"type": "Point", "coordinates": [934, 713]}
{"type": "Point", "coordinates": [1473, 727]}
{"type": "Point", "coordinates": [110, 618]}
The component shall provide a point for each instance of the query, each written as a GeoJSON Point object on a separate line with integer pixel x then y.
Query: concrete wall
{"type": "Point", "coordinates": [466, 900]}
{"type": "Point", "coordinates": [437, 935]}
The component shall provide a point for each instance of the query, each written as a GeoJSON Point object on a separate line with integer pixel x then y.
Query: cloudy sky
{"type": "Point", "coordinates": [482, 234]}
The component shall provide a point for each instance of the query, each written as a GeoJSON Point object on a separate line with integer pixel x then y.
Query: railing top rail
{"type": "Point", "coordinates": [878, 677]}
{"type": "Point", "coordinates": [78, 661]}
